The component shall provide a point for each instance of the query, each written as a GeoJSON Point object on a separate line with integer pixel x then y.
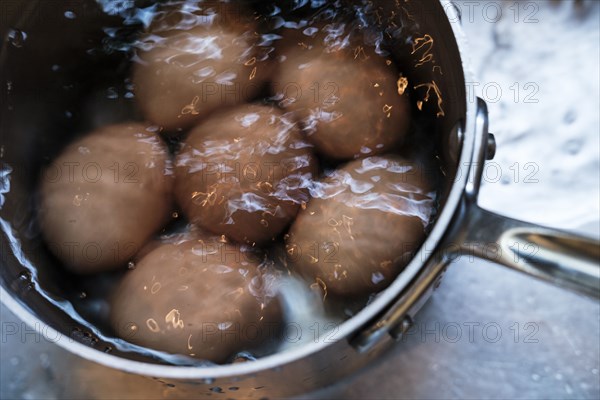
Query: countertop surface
{"type": "Point", "coordinates": [487, 332]}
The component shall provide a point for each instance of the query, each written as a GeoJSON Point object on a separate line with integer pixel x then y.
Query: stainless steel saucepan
{"type": "Point", "coordinates": [36, 92]}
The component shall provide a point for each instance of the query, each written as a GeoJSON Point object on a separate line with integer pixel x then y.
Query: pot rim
{"type": "Point", "coordinates": [347, 328]}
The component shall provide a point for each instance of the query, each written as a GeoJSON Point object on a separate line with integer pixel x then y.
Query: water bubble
{"type": "Point", "coordinates": [16, 37]}
{"type": "Point", "coordinates": [130, 265]}
{"type": "Point", "coordinates": [24, 282]}
{"type": "Point", "coordinates": [82, 295]}
{"type": "Point", "coordinates": [76, 333]}
{"type": "Point", "coordinates": [535, 377]}
{"type": "Point", "coordinates": [216, 389]}
{"type": "Point", "coordinates": [14, 361]}
{"type": "Point", "coordinates": [377, 277]}
{"type": "Point", "coordinates": [55, 67]}
{"type": "Point", "coordinates": [208, 381]}
{"type": "Point", "coordinates": [310, 31]}
{"type": "Point", "coordinates": [573, 146]}
{"type": "Point", "coordinates": [111, 93]}
{"type": "Point", "coordinates": [234, 388]}
{"type": "Point", "coordinates": [25, 276]}
{"type": "Point", "coordinates": [70, 15]}
{"type": "Point", "coordinates": [570, 117]}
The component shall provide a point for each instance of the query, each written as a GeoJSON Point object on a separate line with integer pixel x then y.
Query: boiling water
{"type": "Point", "coordinates": [112, 99]}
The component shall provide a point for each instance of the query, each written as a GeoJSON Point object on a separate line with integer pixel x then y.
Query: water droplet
{"type": "Point", "coordinates": [216, 389]}
{"type": "Point", "coordinates": [175, 215]}
{"type": "Point", "coordinates": [208, 381]}
{"type": "Point", "coordinates": [108, 349]}
{"type": "Point", "coordinates": [68, 114]}
{"type": "Point", "coordinates": [558, 377]}
{"type": "Point", "coordinates": [82, 295]}
{"type": "Point", "coordinates": [568, 389]}
{"type": "Point", "coordinates": [16, 37]}
{"type": "Point", "coordinates": [130, 265]}
{"type": "Point", "coordinates": [570, 117]}
{"type": "Point", "coordinates": [70, 15]}
{"type": "Point", "coordinates": [573, 146]}
{"type": "Point", "coordinates": [535, 377]}
{"type": "Point", "coordinates": [14, 361]}
{"type": "Point", "coordinates": [55, 67]}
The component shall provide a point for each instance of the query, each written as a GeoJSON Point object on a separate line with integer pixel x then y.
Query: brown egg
{"type": "Point", "coordinates": [244, 173]}
{"type": "Point", "coordinates": [362, 226]}
{"type": "Point", "coordinates": [351, 100]}
{"type": "Point", "coordinates": [204, 298]}
{"type": "Point", "coordinates": [195, 59]}
{"type": "Point", "coordinates": [105, 195]}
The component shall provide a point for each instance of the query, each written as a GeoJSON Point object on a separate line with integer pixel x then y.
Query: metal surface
{"type": "Point", "coordinates": [564, 259]}
{"type": "Point", "coordinates": [320, 363]}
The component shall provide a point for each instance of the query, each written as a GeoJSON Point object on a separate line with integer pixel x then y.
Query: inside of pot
{"type": "Point", "coordinates": [66, 70]}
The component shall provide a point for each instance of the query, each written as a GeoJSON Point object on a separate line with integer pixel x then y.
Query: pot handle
{"type": "Point", "coordinates": [567, 260]}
